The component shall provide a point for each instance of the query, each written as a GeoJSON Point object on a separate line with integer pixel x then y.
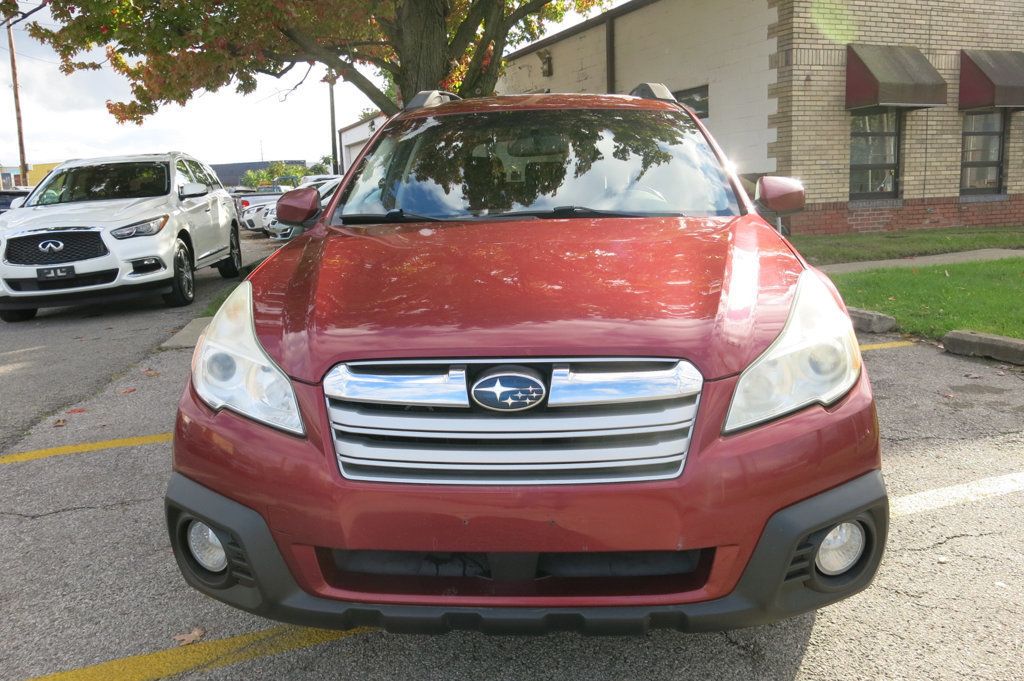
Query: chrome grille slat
{"type": "Point", "coordinates": [634, 415]}
{"type": "Point", "coordinates": [640, 432]}
{"type": "Point", "coordinates": [515, 435]}
{"type": "Point", "coordinates": [520, 454]}
{"type": "Point", "coordinates": [528, 466]}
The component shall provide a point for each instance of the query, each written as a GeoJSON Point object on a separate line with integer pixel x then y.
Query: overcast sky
{"type": "Point", "coordinates": [66, 116]}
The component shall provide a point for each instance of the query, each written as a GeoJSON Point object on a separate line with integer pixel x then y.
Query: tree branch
{"type": "Point", "coordinates": [278, 72]}
{"type": "Point", "coordinates": [468, 28]}
{"type": "Point", "coordinates": [529, 7]}
{"type": "Point", "coordinates": [343, 68]}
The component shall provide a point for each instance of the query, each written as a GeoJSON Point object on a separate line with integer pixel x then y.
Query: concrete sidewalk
{"type": "Point", "coordinates": [924, 260]}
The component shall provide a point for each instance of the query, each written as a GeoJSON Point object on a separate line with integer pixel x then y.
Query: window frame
{"type": "Point", "coordinates": [999, 164]}
{"type": "Point", "coordinates": [895, 166]}
{"type": "Point", "coordinates": [682, 95]}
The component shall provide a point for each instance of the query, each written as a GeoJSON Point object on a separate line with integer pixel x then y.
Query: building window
{"type": "Point", "coordinates": [981, 164]}
{"type": "Point", "coordinates": [696, 98]}
{"type": "Point", "coordinates": [875, 155]}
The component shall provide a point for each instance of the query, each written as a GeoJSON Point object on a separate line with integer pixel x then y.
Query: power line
{"type": "Point", "coordinates": [29, 56]}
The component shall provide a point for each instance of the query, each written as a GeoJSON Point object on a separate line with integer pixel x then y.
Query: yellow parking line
{"type": "Point", "coordinates": [204, 655]}
{"type": "Point", "coordinates": [85, 447]}
{"type": "Point", "coordinates": [886, 346]}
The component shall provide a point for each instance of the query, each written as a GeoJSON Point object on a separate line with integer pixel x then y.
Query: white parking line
{"type": "Point", "coordinates": [957, 494]}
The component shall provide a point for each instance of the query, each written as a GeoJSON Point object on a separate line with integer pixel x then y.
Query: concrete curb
{"type": "Point", "coordinates": [974, 344]}
{"type": "Point", "coordinates": [867, 321]}
{"type": "Point", "coordinates": [187, 337]}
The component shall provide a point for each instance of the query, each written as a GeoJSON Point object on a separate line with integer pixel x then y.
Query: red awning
{"type": "Point", "coordinates": [991, 78]}
{"type": "Point", "coordinates": [891, 76]}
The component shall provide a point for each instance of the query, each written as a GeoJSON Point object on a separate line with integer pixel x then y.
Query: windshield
{"type": "Point", "coordinates": [637, 162]}
{"type": "Point", "coordinates": [102, 182]}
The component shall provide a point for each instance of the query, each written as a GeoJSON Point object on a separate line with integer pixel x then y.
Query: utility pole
{"type": "Point", "coordinates": [334, 133]}
{"type": "Point", "coordinates": [17, 101]}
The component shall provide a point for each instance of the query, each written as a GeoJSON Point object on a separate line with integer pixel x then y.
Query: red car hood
{"type": "Point", "coordinates": [715, 291]}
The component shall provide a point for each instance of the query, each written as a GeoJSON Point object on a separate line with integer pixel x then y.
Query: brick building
{"type": "Point", "coordinates": [895, 114]}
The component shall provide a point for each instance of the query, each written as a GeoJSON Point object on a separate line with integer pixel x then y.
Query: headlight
{"type": "Point", "coordinates": [815, 360]}
{"type": "Point", "coordinates": [230, 369]}
{"type": "Point", "coordinates": [146, 228]}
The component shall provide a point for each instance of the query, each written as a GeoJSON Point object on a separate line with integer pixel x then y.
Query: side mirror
{"type": "Point", "coordinates": [17, 203]}
{"type": "Point", "coordinates": [780, 195]}
{"type": "Point", "coordinates": [298, 206]}
{"type": "Point", "coordinates": [193, 189]}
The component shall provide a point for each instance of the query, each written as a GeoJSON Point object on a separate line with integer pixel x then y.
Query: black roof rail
{"type": "Point", "coordinates": [657, 91]}
{"type": "Point", "coordinates": [427, 98]}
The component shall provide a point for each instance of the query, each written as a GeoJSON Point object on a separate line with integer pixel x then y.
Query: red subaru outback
{"type": "Point", "coordinates": [540, 365]}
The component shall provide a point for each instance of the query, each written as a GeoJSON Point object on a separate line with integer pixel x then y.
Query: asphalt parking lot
{"type": "Point", "coordinates": [89, 589]}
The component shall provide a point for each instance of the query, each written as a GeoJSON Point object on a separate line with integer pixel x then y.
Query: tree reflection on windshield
{"type": "Point", "coordinates": [472, 165]}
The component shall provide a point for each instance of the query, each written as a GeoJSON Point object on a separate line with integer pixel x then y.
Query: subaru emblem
{"type": "Point", "coordinates": [51, 246]}
{"type": "Point", "coordinates": [508, 389]}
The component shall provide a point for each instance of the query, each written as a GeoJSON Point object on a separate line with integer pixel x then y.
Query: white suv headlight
{"type": "Point", "coordinates": [144, 228]}
{"type": "Point", "coordinates": [815, 360]}
{"type": "Point", "coordinates": [230, 369]}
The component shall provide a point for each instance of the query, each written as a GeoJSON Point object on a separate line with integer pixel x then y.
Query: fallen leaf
{"type": "Point", "coordinates": [151, 373]}
{"type": "Point", "coordinates": [949, 395]}
{"type": "Point", "coordinates": [972, 375]}
{"type": "Point", "coordinates": [59, 423]}
{"type": "Point", "coordinates": [190, 637]}
{"type": "Point", "coordinates": [76, 410]}
{"type": "Point", "coordinates": [892, 297]}
{"type": "Point", "coordinates": [128, 391]}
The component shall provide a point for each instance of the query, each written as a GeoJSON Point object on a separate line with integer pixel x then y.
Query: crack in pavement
{"type": "Point", "coordinates": [70, 509]}
{"type": "Point", "coordinates": [949, 539]}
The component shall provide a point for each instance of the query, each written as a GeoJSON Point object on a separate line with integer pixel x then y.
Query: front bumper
{"type": "Point", "coordinates": [778, 581]}
{"type": "Point", "coordinates": [119, 281]}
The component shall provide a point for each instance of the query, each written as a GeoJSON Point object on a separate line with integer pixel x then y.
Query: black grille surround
{"type": "Point", "coordinates": [78, 245]}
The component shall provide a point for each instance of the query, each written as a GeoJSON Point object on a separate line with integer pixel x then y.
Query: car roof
{"type": "Point", "coordinates": [533, 102]}
{"type": "Point", "coordinates": [133, 158]}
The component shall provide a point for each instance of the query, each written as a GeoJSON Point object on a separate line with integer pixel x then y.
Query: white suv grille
{"type": "Point", "coordinates": [605, 420]}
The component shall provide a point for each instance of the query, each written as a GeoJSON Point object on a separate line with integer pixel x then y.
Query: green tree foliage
{"type": "Point", "coordinates": [170, 50]}
{"type": "Point", "coordinates": [277, 172]}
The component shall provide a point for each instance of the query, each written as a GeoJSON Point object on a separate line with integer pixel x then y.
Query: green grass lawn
{"type": "Point", "coordinates": [832, 248]}
{"type": "Point", "coordinates": [930, 301]}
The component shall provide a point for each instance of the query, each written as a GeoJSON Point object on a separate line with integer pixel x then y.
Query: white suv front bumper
{"type": "Point", "coordinates": [99, 277]}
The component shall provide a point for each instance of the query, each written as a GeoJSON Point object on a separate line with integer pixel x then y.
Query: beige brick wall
{"type": "Point", "coordinates": [812, 123]}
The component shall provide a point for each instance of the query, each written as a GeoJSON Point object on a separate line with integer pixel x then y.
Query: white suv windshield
{"type": "Point", "coordinates": [628, 161]}
{"type": "Point", "coordinates": [102, 182]}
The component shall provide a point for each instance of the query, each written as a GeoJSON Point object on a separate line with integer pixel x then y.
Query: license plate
{"type": "Point", "coordinates": [65, 272]}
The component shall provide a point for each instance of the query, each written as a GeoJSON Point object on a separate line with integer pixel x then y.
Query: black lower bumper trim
{"type": "Point", "coordinates": [766, 592]}
{"type": "Point", "coordinates": [106, 295]}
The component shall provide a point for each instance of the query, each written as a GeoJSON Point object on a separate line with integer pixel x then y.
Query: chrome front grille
{"type": "Point", "coordinates": [605, 420]}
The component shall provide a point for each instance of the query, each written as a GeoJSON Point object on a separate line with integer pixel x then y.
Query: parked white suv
{"type": "Point", "coordinates": [104, 229]}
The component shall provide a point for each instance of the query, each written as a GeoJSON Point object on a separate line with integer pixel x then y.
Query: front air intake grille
{"type": "Point", "coordinates": [584, 432]}
{"type": "Point", "coordinates": [73, 246]}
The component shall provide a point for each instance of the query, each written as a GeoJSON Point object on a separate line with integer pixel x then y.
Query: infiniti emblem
{"type": "Point", "coordinates": [508, 388]}
{"type": "Point", "coordinates": [51, 246]}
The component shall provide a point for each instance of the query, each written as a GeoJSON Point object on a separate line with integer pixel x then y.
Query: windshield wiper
{"type": "Point", "coordinates": [396, 215]}
{"type": "Point", "coordinates": [569, 212]}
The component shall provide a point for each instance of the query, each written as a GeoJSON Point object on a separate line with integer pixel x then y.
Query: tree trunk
{"type": "Point", "coordinates": [421, 42]}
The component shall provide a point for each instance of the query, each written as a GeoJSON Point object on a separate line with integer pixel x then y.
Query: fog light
{"type": "Point", "coordinates": [206, 547]}
{"type": "Point", "coordinates": [840, 550]}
